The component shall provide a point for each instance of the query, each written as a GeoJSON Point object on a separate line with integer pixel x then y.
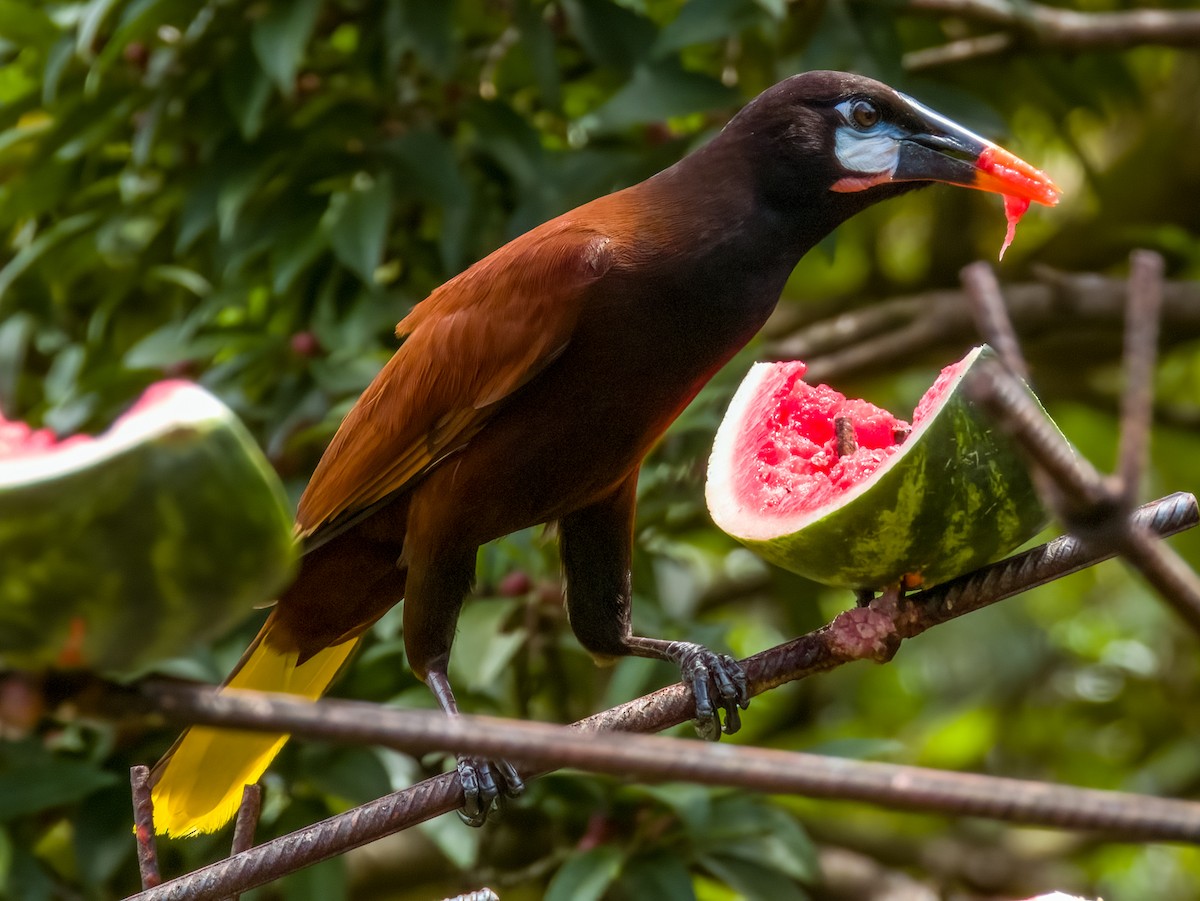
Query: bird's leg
{"type": "Point", "coordinates": [434, 594]}
{"type": "Point", "coordinates": [596, 545]}
{"type": "Point", "coordinates": [479, 786]}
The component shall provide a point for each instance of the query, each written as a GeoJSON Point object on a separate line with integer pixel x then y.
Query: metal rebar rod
{"type": "Point", "coordinates": [143, 826]}
{"type": "Point", "coordinates": [542, 746]}
{"type": "Point", "coordinates": [991, 316]}
{"type": "Point", "coordinates": [1093, 508]}
{"type": "Point", "coordinates": [246, 823]}
{"type": "Point", "coordinates": [856, 631]}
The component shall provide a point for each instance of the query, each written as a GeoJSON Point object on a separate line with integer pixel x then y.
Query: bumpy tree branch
{"type": "Point", "coordinates": [1047, 26]}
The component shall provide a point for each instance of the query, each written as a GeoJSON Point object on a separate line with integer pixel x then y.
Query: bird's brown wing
{"type": "Point", "coordinates": [469, 345]}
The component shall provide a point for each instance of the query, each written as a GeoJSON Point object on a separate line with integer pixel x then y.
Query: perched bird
{"type": "Point", "coordinates": [528, 389]}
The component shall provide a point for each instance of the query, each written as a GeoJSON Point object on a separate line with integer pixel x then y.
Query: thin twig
{"type": "Point", "coordinates": [959, 51]}
{"type": "Point", "coordinates": [1141, 354]}
{"type": "Point", "coordinates": [246, 823]}
{"type": "Point", "coordinates": [1036, 24]}
{"type": "Point", "coordinates": [143, 827]}
{"type": "Point", "coordinates": [987, 301]}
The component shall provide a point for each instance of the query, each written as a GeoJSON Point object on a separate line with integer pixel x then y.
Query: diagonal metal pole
{"type": "Point", "coordinates": [1094, 506]}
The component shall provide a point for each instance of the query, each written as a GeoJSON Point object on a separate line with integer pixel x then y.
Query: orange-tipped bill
{"type": "Point", "coordinates": [942, 150]}
{"type": "Point", "coordinates": [1020, 183]}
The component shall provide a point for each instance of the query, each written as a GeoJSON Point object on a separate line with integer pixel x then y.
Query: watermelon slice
{"type": "Point", "coordinates": [846, 494]}
{"type": "Point", "coordinates": [125, 548]}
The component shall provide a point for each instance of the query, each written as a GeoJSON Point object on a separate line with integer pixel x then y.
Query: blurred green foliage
{"type": "Point", "coordinates": [252, 192]}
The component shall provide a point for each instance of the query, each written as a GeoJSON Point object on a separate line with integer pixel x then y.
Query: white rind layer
{"type": "Point", "coordinates": [181, 405]}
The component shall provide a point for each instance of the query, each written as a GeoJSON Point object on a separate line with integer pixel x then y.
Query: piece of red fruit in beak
{"type": "Point", "coordinates": [998, 170]}
{"type": "Point", "coordinates": [1020, 183]}
{"type": "Point", "coordinates": [1014, 209]}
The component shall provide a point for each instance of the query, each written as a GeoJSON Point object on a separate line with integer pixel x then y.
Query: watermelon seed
{"type": "Point", "coordinates": [900, 434]}
{"type": "Point", "coordinates": [843, 428]}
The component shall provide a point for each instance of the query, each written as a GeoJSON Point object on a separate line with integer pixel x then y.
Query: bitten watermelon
{"type": "Point", "coordinates": [126, 548]}
{"type": "Point", "coordinates": [891, 505]}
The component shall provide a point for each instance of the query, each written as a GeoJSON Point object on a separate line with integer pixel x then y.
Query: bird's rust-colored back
{"type": "Point", "coordinates": [473, 342]}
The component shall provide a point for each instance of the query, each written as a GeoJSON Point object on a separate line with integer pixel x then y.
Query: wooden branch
{"type": "Point", "coordinates": [901, 331]}
{"type": "Point", "coordinates": [1039, 25]}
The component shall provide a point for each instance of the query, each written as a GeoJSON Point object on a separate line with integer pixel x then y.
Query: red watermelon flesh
{"type": "Point", "coordinates": [793, 463]}
{"type": "Point", "coordinates": [19, 439]}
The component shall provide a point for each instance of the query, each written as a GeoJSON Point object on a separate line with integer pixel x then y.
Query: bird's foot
{"type": "Point", "coordinates": [718, 684]}
{"type": "Point", "coordinates": [485, 784]}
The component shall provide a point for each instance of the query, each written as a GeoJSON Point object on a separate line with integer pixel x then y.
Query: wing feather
{"type": "Point", "coordinates": [467, 347]}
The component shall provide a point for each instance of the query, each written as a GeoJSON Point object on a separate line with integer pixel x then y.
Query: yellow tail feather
{"type": "Point", "coordinates": [200, 786]}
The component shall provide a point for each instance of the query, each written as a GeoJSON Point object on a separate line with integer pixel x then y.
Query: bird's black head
{"type": "Point", "coordinates": [832, 143]}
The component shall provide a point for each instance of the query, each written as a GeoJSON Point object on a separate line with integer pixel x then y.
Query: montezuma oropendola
{"type": "Point", "coordinates": [529, 388]}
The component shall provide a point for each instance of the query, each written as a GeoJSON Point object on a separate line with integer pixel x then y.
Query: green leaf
{"type": "Point", "coordinates": [423, 28]}
{"type": "Point", "coordinates": [33, 779]}
{"type": "Point", "coordinates": [435, 176]}
{"type": "Point", "coordinates": [281, 37]}
{"type": "Point", "coordinates": [50, 238]}
{"type": "Point", "coordinates": [319, 882]}
{"type": "Point", "coordinates": [301, 245]}
{"type": "Point", "coordinates": [693, 804]}
{"type": "Point", "coordinates": [357, 223]}
{"type": "Point", "coordinates": [658, 91]}
{"type": "Point", "coordinates": [484, 649]}
{"type": "Point", "coordinates": [537, 41]}
{"type": "Point", "coordinates": [707, 20]}
{"type": "Point", "coordinates": [662, 876]}
{"type": "Point", "coordinates": [94, 14]}
{"type": "Point", "coordinates": [752, 880]}
{"type": "Point", "coordinates": [612, 35]}
{"type": "Point", "coordinates": [15, 334]}
{"type": "Point", "coordinates": [460, 846]}
{"type": "Point", "coordinates": [348, 774]}
{"type": "Point", "coordinates": [28, 879]}
{"type": "Point", "coordinates": [26, 25]}
{"type": "Point", "coordinates": [586, 876]}
{"type": "Point", "coordinates": [101, 835]}
{"type": "Point", "coordinates": [246, 90]}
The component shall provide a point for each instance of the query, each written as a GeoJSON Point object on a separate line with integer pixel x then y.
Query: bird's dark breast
{"type": "Point", "coordinates": [644, 346]}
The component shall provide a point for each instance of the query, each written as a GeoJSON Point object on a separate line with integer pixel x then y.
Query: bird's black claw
{"type": "Point", "coordinates": [483, 789]}
{"type": "Point", "coordinates": [718, 683]}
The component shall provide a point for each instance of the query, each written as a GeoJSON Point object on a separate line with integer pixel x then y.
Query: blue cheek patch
{"type": "Point", "coordinates": [871, 153]}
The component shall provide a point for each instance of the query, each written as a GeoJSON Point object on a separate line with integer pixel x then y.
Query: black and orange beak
{"type": "Point", "coordinates": [942, 150]}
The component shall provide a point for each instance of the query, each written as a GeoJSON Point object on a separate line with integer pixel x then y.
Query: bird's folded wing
{"type": "Point", "coordinates": [467, 347]}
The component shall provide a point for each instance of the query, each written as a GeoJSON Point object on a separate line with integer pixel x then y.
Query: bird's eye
{"type": "Point", "coordinates": [864, 114]}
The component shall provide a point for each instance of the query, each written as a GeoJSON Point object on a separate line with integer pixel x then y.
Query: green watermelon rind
{"type": "Point", "coordinates": [155, 536]}
{"type": "Point", "coordinates": [956, 496]}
